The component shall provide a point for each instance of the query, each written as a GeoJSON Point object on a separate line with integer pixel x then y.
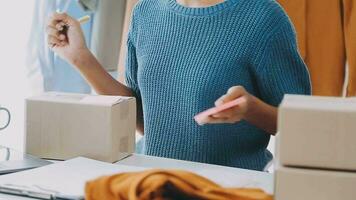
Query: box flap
{"type": "Point", "coordinates": [319, 103]}
{"type": "Point", "coordinates": [103, 100]}
{"type": "Point", "coordinates": [80, 98]}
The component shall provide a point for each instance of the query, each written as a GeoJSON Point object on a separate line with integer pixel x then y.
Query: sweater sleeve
{"type": "Point", "coordinates": [131, 69]}
{"type": "Point", "coordinates": [279, 68]}
{"type": "Point", "coordinates": [131, 64]}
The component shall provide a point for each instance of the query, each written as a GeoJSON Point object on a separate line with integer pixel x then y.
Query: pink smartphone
{"type": "Point", "coordinates": [212, 111]}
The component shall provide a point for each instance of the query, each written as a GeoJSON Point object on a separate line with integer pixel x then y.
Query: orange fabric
{"type": "Point", "coordinates": [296, 10]}
{"type": "Point", "coordinates": [165, 185]}
{"type": "Point", "coordinates": [326, 32]}
{"type": "Point", "coordinates": [350, 38]}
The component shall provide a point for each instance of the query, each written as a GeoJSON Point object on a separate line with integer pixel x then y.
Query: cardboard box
{"type": "Point", "coordinates": [62, 126]}
{"type": "Point", "coordinates": [307, 184]}
{"type": "Point", "coordinates": [317, 132]}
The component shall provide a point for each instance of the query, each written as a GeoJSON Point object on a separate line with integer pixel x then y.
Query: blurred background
{"type": "Point", "coordinates": [14, 85]}
{"type": "Point", "coordinates": [325, 34]}
{"type": "Point", "coordinates": [28, 67]}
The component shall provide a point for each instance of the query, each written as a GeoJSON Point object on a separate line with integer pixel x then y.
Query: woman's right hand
{"type": "Point", "coordinates": [69, 45]}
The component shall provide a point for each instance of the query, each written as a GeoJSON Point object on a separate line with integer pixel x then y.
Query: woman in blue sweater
{"type": "Point", "coordinates": [184, 56]}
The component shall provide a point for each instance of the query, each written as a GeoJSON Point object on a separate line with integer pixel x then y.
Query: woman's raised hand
{"type": "Point", "coordinates": [65, 37]}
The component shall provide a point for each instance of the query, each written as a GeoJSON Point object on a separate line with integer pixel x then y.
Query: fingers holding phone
{"type": "Point", "coordinates": [229, 108]}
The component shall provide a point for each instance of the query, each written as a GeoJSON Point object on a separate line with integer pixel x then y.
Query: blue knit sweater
{"type": "Point", "coordinates": [180, 60]}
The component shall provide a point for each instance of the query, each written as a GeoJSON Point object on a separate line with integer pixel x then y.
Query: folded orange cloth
{"type": "Point", "coordinates": [165, 185]}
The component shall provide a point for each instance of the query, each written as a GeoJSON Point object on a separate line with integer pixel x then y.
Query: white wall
{"type": "Point", "coordinates": [15, 18]}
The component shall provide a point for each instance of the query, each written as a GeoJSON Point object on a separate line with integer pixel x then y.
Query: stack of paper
{"type": "Point", "coordinates": [66, 179]}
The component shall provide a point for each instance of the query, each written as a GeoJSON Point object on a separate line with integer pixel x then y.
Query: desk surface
{"type": "Point", "coordinates": [264, 180]}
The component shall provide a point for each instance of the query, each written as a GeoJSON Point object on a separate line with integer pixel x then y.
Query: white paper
{"type": "Point", "coordinates": [238, 180]}
{"type": "Point", "coordinates": [67, 178]}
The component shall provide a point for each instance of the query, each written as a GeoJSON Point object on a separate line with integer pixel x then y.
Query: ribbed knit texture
{"type": "Point", "coordinates": [180, 60]}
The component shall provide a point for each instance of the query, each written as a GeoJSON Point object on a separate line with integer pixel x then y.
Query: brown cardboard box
{"type": "Point", "coordinates": [317, 132]}
{"type": "Point", "coordinates": [62, 126]}
{"type": "Point", "coordinates": [308, 184]}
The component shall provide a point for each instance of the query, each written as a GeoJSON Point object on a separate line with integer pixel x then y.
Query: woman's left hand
{"type": "Point", "coordinates": [234, 114]}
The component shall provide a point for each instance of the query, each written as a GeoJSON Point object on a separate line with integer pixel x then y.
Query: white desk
{"type": "Point", "coordinates": [264, 180]}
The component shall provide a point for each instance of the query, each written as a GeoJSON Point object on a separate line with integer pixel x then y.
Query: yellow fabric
{"type": "Point", "coordinates": [326, 32]}
{"type": "Point", "coordinates": [165, 185]}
